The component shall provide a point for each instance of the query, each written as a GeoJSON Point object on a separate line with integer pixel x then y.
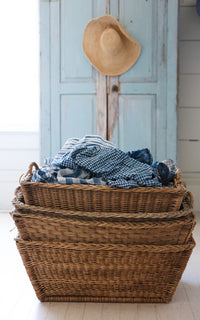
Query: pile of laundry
{"type": "Point", "coordinates": [93, 160]}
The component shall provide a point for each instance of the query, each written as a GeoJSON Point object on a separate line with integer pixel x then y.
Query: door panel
{"type": "Point", "coordinates": [139, 18]}
{"type": "Point", "coordinates": [136, 122]}
{"type": "Point", "coordinates": [78, 116]}
{"type": "Point", "coordinates": [71, 72]}
{"type": "Point", "coordinates": [142, 111]}
{"type": "Point", "coordinates": [74, 64]}
{"type": "Point", "coordinates": [147, 91]}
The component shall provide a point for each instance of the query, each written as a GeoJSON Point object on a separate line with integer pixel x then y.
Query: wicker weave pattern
{"type": "Point", "coordinates": [52, 228]}
{"type": "Point", "coordinates": [103, 198]}
{"type": "Point", "coordinates": [39, 224]}
{"type": "Point", "coordinates": [102, 244]}
{"type": "Point", "coordinates": [23, 208]}
{"type": "Point", "coordinates": [104, 272]}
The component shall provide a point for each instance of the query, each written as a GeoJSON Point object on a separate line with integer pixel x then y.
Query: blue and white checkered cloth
{"type": "Point", "coordinates": [115, 166]}
{"type": "Point", "coordinates": [64, 159]}
{"type": "Point", "coordinates": [93, 160]}
{"type": "Point", "coordinates": [62, 168]}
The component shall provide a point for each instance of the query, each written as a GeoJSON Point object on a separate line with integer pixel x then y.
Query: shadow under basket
{"type": "Point", "coordinates": [102, 198]}
{"type": "Point", "coordinates": [43, 224]}
{"type": "Point", "coordinates": [104, 272]}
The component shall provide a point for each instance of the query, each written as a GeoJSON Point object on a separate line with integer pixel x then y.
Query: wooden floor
{"type": "Point", "coordinates": [18, 300]}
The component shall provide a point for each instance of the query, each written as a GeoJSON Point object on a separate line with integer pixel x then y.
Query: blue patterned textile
{"type": "Point", "coordinates": [64, 159]}
{"type": "Point", "coordinates": [45, 174]}
{"type": "Point", "coordinates": [165, 171]}
{"type": "Point", "coordinates": [116, 167]}
{"type": "Point", "coordinates": [54, 174]}
{"type": "Point", "coordinates": [142, 155]}
{"type": "Point", "coordinates": [93, 160]}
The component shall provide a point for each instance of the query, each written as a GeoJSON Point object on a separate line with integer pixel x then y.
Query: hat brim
{"type": "Point", "coordinates": [107, 64]}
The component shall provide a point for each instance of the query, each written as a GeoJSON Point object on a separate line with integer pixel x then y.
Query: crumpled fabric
{"type": "Point", "coordinates": [116, 167]}
{"type": "Point", "coordinates": [165, 171]}
{"type": "Point", "coordinates": [93, 160]}
{"type": "Point", "coordinates": [64, 158]}
{"type": "Point", "coordinates": [46, 175]}
{"type": "Point", "coordinates": [55, 174]}
{"type": "Point", "coordinates": [142, 155]}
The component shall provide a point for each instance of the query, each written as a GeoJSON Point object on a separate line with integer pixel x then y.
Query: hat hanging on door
{"type": "Point", "coordinates": [109, 47]}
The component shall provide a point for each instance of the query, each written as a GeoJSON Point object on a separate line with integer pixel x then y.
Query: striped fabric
{"type": "Point", "coordinates": [64, 159]}
{"type": "Point", "coordinates": [53, 174]}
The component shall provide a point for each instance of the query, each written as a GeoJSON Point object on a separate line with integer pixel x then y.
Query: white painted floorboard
{"type": "Point", "coordinates": [18, 300]}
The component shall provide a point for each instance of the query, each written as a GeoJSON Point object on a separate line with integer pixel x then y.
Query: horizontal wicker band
{"type": "Point", "coordinates": [109, 247]}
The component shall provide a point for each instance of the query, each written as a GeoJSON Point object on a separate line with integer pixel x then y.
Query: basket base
{"type": "Point", "coordinates": [84, 272]}
{"type": "Point", "coordinates": [103, 299]}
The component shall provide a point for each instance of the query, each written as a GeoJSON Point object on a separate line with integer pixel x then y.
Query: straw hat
{"type": "Point", "coordinates": [109, 47]}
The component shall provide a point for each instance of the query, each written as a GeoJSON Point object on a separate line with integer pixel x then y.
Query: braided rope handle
{"type": "Point", "coordinates": [30, 168]}
{"type": "Point", "coordinates": [28, 175]}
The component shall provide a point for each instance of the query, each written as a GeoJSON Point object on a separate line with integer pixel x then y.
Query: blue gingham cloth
{"type": "Point", "coordinates": [64, 158]}
{"type": "Point", "coordinates": [116, 167]}
{"type": "Point", "coordinates": [62, 169]}
{"type": "Point", "coordinates": [93, 160]}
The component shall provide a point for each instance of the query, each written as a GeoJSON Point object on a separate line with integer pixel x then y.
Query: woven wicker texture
{"type": "Point", "coordinates": [35, 223]}
{"type": "Point", "coordinates": [104, 272]}
{"type": "Point", "coordinates": [21, 207]}
{"type": "Point", "coordinates": [103, 198]}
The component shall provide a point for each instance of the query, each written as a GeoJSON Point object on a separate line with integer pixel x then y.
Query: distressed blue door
{"type": "Point", "coordinates": [134, 110]}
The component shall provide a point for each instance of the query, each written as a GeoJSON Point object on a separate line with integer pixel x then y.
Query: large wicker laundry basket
{"type": "Point", "coordinates": [94, 198]}
{"type": "Point", "coordinates": [44, 224]}
{"type": "Point", "coordinates": [104, 272]}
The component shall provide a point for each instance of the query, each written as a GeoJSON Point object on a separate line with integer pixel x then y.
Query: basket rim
{"type": "Point", "coordinates": [117, 224]}
{"type": "Point", "coordinates": [187, 209]}
{"type": "Point", "coordinates": [180, 188]}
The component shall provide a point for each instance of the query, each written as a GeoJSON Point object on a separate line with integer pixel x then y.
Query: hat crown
{"type": "Point", "coordinates": [109, 47]}
{"type": "Point", "coordinates": [110, 41]}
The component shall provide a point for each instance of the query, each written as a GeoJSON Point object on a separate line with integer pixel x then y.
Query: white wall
{"type": "Point", "coordinates": [19, 99]}
{"type": "Point", "coordinates": [189, 97]}
{"type": "Point", "coordinates": [17, 150]}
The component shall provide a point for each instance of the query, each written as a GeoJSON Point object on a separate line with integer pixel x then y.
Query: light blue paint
{"type": "Point", "coordinates": [147, 101]}
{"type": "Point", "coordinates": [172, 81]}
{"type": "Point", "coordinates": [161, 98]}
{"type": "Point", "coordinates": [74, 87]}
{"type": "Point", "coordinates": [71, 74]}
{"type": "Point", "coordinates": [137, 122]}
{"type": "Point", "coordinates": [139, 18]}
{"type": "Point", "coordinates": [73, 62]}
{"type": "Point", "coordinates": [78, 116]}
{"type": "Point", "coordinates": [55, 75]}
{"type": "Point", "coordinates": [45, 102]}
{"type": "Point", "coordinates": [154, 25]}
